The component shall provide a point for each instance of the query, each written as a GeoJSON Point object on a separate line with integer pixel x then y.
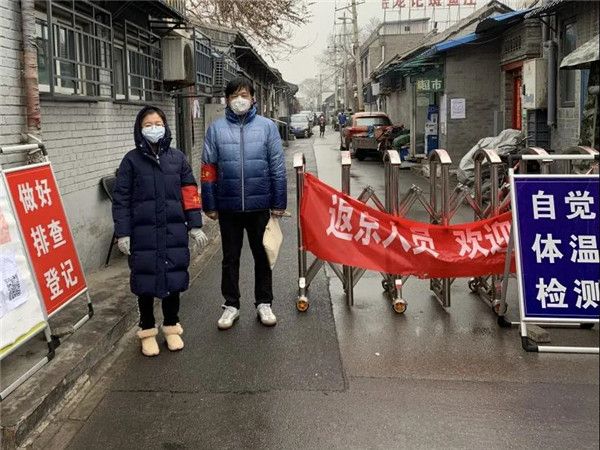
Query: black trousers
{"type": "Point", "coordinates": [170, 308]}
{"type": "Point", "coordinates": [232, 227]}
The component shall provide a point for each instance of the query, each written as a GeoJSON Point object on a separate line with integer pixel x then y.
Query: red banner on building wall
{"type": "Point", "coordinates": [46, 233]}
{"type": "Point", "coordinates": [340, 229]}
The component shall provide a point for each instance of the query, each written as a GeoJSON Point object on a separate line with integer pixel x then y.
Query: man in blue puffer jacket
{"type": "Point", "coordinates": [243, 184]}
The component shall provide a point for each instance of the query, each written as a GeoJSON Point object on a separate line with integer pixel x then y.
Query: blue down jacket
{"type": "Point", "coordinates": [243, 165]}
{"type": "Point", "coordinates": [148, 207]}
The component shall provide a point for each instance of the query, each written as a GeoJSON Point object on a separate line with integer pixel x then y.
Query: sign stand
{"type": "Point", "coordinates": [52, 343]}
{"type": "Point", "coordinates": [22, 312]}
{"type": "Point", "coordinates": [558, 262]}
{"type": "Point", "coordinates": [51, 248]}
{"type": "Point", "coordinates": [31, 292]}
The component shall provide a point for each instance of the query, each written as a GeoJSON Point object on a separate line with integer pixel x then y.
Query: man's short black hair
{"type": "Point", "coordinates": [239, 83]}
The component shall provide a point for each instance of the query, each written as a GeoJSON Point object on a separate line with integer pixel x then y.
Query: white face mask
{"type": "Point", "coordinates": [154, 133]}
{"type": "Point", "coordinates": [240, 105]}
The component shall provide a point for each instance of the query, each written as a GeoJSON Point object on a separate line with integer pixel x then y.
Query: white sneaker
{"type": "Point", "coordinates": [229, 316]}
{"type": "Point", "coordinates": [266, 315]}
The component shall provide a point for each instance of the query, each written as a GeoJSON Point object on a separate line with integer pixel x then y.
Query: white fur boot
{"type": "Point", "coordinates": [173, 337]}
{"type": "Point", "coordinates": [148, 339]}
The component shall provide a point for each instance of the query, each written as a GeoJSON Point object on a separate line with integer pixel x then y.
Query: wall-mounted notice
{"type": "Point", "coordinates": [458, 108]}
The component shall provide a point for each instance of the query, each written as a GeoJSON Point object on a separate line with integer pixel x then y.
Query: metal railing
{"type": "Point", "coordinates": [441, 206]}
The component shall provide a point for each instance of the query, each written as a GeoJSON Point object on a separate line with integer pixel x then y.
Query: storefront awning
{"type": "Point", "coordinates": [583, 56]}
{"type": "Point", "coordinates": [453, 43]}
{"type": "Point", "coordinates": [501, 21]}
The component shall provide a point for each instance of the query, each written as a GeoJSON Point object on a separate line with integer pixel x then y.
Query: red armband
{"type": "Point", "coordinates": [190, 198]}
{"type": "Point", "coordinates": [209, 173]}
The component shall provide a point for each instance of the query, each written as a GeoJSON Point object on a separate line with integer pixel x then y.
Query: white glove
{"type": "Point", "coordinates": [199, 237]}
{"type": "Point", "coordinates": [124, 245]}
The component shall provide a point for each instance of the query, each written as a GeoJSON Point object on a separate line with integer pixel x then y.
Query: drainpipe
{"type": "Point", "coordinates": [550, 50]}
{"type": "Point", "coordinates": [30, 71]}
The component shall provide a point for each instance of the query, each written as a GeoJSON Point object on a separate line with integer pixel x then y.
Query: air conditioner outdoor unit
{"type": "Point", "coordinates": [178, 61]}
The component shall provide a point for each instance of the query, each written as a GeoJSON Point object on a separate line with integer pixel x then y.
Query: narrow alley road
{"type": "Point", "coordinates": [335, 377]}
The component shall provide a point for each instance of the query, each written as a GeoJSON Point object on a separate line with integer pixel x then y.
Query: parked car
{"type": "Point", "coordinates": [300, 125]}
{"type": "Point", "coordinates": [359, 135]}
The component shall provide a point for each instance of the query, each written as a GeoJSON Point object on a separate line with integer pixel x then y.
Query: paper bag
{"type": "Point", "coordinates": [272, 240]}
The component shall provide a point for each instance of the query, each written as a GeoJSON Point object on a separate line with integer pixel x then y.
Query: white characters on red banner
{"type": "Point", "coordinates": [498, 234]}
{"type": "Point", "coordinates": [40, 238]}
{"type": "Point", "coordinates": [67, 273]}
{"type": "Point", "coordinates": [27, 195]}
{"type": "Point", "coordinates": [368, 230]}
{"type": "Point", "coordinates": [43, 192]}
{"type": "Point", "coordinates": [340, 215]}
{"type": "Point", "coordinates": [423, 243]}
{"type": "Point", "coordinates": [53, 283]}
{"type": "Point", "coordinates": [53, 278]}
{"type": "Point", "coordinates": [396, 235]}
{"type": "Point", "coordinates": [40, 241]}
{"type": "Point", "coordinates": [27, 198]}
{"type": "Point", "coordinates": [470, 243]}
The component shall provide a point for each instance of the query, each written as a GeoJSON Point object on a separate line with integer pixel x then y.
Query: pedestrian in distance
{"type": "Point", "coordinates": [156, 209]}
{"type": "Point", "coordinates": [342, 121]}
{"type": "Point", "coordinates": [322, 125]}
{"type": "Point", "coordinates": [243, 185]}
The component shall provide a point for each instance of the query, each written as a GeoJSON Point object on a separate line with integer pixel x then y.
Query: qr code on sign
{"type": "Point", "coordinates": [14, 287]}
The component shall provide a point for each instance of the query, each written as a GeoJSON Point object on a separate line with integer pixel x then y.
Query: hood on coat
{"type": "Point", "coordinates": [248, 117]}
{"type": "Point", "coordinates": [140, 141]}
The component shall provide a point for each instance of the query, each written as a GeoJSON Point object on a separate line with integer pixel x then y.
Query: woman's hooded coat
{"type": "Point", "coordinates": [151, 205]}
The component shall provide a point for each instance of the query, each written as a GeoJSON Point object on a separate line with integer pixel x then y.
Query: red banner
{"type": "Point", "coordinates": [46, 233]}
{"type": "Point", "coordinates": [340, 229]}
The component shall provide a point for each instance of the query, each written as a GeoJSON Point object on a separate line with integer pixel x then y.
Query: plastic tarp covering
{"type": "Point", "coordinates": [505, 143]}
{"type": "Point", "coordinates": [583, 56]}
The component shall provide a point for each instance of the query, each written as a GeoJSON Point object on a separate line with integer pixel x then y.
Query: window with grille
{"type": "Point", "coordinates": [74, 52]}
{"type": "Point", "coordinates": [225, 70]}
{"type": "Point", "coordinates": [204, 61]}
{"type": "Point", "coordinates": [138, 72]}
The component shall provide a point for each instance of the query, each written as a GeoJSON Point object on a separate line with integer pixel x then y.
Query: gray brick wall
{"type": "Point", "coordinates": [85, 141]}
{"type": "Point", "coordinates": [472, 73]}
{"type": "Point", "coordinates": [566, 132]}
{"type": "Point", "coordinates": [12, 111]}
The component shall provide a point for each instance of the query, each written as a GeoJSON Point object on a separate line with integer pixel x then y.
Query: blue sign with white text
{"type": "Point", "coordinates": [558, 220]}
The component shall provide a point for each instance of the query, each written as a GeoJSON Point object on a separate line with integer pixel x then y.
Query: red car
{"type": "Point", "coordinates": [359, 135]}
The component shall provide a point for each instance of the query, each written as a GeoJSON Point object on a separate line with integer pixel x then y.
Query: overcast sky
{"type": "Point", "coordinates": [302, 65]}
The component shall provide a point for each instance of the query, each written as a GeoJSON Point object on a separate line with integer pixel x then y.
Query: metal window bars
{"type": "Point", "coordinates": [203, 62]}
{"type": "Point", "coordinates": [79, 48]}
{"type": "Point", "coordinates": [225, 70]}
{"type": "Point", "coordinates": [143, 63]}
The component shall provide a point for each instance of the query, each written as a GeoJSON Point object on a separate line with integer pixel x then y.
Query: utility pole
{"type": "Point", "coordinates": [335, 78]}
{"type": "Point", "coordinates": [359, 80]}
{"type": "Point", "coordinates": [320, 97]}
{"type": "Point", "coordinates": [345, 62]}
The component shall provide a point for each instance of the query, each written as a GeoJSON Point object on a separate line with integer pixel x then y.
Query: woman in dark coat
{"type": "Point", "coordinates": [155, 206]}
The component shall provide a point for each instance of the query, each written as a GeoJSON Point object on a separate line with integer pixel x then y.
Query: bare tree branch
{"type": "Point", "coordinates": [267, 23]}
